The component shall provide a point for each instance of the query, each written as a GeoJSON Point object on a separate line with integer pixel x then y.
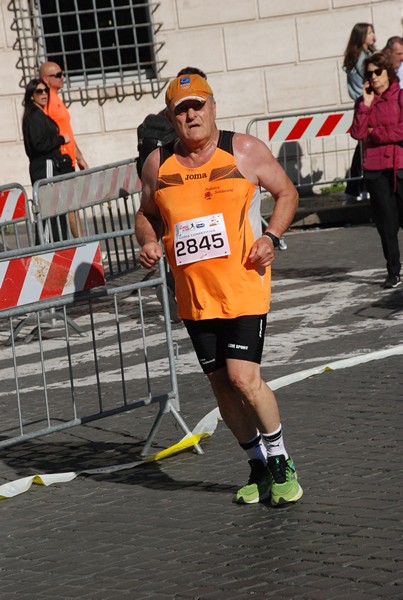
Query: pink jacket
{"type": "Point", "coordinates": [385, 117]}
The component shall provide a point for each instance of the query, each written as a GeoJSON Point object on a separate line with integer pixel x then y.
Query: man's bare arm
{"type": "Point", "coordinates": [82, 163]}
{"type": "Point", "coordinates": [258, 165]}
{"type": "Point", "coordinates": [148, 224]}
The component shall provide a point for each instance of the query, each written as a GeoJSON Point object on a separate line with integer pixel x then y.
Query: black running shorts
{"type": "Point", "coordinates": [215, 340]}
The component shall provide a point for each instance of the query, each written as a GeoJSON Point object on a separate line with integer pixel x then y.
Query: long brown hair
{"type": "Point", "coordinates": [355, 44]}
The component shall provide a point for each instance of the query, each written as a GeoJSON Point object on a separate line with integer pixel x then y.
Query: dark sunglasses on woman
{"type": "Point", "coordinates": [370, 74]}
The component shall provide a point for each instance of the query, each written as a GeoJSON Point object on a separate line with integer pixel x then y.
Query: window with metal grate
{"type": "Point", "coordinates": [107, 48]}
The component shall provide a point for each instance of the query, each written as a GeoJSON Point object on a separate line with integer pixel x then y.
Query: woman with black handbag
{"type": "Point", "coordinates": [42, 143]}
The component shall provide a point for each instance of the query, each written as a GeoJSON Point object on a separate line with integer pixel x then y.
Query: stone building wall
{"type": "Point", "coordinates": [261, 57]}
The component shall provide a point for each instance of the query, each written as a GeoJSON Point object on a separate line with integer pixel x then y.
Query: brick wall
{"type": "Point", "coordinates": [261, 58]}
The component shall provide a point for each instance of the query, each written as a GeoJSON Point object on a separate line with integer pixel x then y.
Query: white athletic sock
{"type": "Point", "coordinates": [255, 449]}
{"type": "Point", "coordinates": [274, 443]}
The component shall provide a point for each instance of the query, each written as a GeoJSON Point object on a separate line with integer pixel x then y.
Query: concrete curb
{"type": "Point", "coordinates": [325, 210]}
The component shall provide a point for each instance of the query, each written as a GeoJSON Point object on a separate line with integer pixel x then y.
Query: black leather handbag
{"type": "Point", "coordinates": [62, 163]}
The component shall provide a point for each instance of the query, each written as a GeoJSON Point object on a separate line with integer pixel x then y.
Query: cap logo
{"type": "Point", "coordinates": [187, 87]}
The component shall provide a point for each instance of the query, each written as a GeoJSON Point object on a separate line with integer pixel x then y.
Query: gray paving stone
{"type": "Point", "coordinates": [169, 531]}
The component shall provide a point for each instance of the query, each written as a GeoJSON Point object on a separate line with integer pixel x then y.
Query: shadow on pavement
{"type": "Point", "coordinates": [38, 457]}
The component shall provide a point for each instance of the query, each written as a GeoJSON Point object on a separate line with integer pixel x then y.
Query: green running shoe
{"type": "Point", "coordinates": [258, 487]}
{"type": "Point", "coordinates": [285, 487]}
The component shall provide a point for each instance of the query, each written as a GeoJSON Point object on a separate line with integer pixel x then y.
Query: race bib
{"type": "Point", "coordinates": [201, 239]}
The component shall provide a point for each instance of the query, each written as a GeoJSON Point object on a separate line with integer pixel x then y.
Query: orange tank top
{"type": "Point", "coordinates": [209, 210]}
{"type": "Point", "coordinates": [57, 110]}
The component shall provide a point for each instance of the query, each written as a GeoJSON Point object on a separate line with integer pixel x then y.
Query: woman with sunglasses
{"type": "Point", "coordinates": [378, 122]}
{"type": "Point", "coordinates": [42, 140]}
{"type": "Point", "coordinates": [41, 134]}
{"type": "Point", "coordinates": [360, 45]}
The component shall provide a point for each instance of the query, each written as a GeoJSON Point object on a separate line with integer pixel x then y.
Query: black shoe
{"type": "Point", "coordinates": [392, 281]}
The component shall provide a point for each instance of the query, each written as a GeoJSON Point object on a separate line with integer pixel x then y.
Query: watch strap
{"type": "Point", "coordinates": [274, 238]}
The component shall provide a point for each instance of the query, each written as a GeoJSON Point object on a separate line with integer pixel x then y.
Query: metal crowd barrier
{"type": "Point", "coordinates": [314, 148]}
{"type": "Point", "coordinates": [15, 219]}
{"type": "Point", "coordinates": [59, 381]}
{"type": "Point", "coordinates": [97, 204]}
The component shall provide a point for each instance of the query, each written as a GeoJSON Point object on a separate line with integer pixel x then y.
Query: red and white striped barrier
{"type": "Point", "coordinates": [12, 205]}
{"type": "Point", "coordinates": [88, 189]}
{"type": "Point", "coordinates": [310, 126]}
{"type": "Point", "coordinates": [35, 278]}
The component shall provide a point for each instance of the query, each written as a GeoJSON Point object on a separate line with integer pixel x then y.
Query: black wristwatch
{"type": "Point", "coordinates": [274, 238]}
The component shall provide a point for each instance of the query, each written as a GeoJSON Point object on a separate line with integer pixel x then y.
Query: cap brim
{"type": "Point", "coordinates": [192, 97]}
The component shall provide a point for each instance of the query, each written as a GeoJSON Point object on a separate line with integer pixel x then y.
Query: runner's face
{"type": "Point", "coordinates": [194, 121]}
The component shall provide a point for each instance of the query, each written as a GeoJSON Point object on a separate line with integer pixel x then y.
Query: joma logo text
{"type": "Point", "coordinates": [196, 176]}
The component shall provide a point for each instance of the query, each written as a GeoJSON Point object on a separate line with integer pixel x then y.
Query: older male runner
{"type": "Point", "coordinates": [204, 199]}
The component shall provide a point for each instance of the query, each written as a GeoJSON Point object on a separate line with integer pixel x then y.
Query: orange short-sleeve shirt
{"type": "Point", "coordinates": [56, 109]}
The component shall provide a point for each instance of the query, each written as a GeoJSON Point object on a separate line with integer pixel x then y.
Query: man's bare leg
{"type": "Point", "coordinates": [246, 402]}
{"type": "Point", "coordinates": [249, 407]}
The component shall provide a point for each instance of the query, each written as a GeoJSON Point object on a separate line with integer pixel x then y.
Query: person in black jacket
{"type": "Point", "coordinates": [42, 142]}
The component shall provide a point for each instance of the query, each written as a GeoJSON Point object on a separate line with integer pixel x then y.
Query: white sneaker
{"type": "Point", "coordinates": [359, 198]}
{"type": "Point", "coordinates": [350, 198]}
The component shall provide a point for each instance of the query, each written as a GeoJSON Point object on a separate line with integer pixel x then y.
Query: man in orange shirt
{"type": "Point", "coordinates": [203, 197]}
{"type": "Point", "coordinates": [53, 76]}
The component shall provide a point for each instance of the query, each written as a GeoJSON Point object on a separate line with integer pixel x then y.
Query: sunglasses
{"type": "Point", "coordinates": [58, 75]}
{"type": "Point", "coordinates": [370, 74]}
{"type": "Point", "coordinates": [41, 91]}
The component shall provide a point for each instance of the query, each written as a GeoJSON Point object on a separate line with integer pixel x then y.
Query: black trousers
{"type": "Point", "coordinates": [387, 213]}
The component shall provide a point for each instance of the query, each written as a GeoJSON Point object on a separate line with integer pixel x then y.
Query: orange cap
{"type": "Point", "coordinates": [187, 87]}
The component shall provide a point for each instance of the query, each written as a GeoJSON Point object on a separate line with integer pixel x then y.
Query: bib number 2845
{"type": "Point", "coordinates": [193, 246]}
{"type": "Point", "coordinates": [201, 239]}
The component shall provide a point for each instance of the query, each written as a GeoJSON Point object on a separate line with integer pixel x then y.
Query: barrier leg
{"type": "Point", "coordinates": [184, 427]}
{"type": "Point", "coordinates": [15, 331]}
{"type": "Point", "coordinates": [54, 316]}
{"type": "Point", "coordinates": [49, 317]}
{"type": "Point", "coordinates": [157, 423]}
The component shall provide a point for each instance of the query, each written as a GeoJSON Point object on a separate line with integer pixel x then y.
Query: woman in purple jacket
{"type": "Point", "coordinates": [378, 122]}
